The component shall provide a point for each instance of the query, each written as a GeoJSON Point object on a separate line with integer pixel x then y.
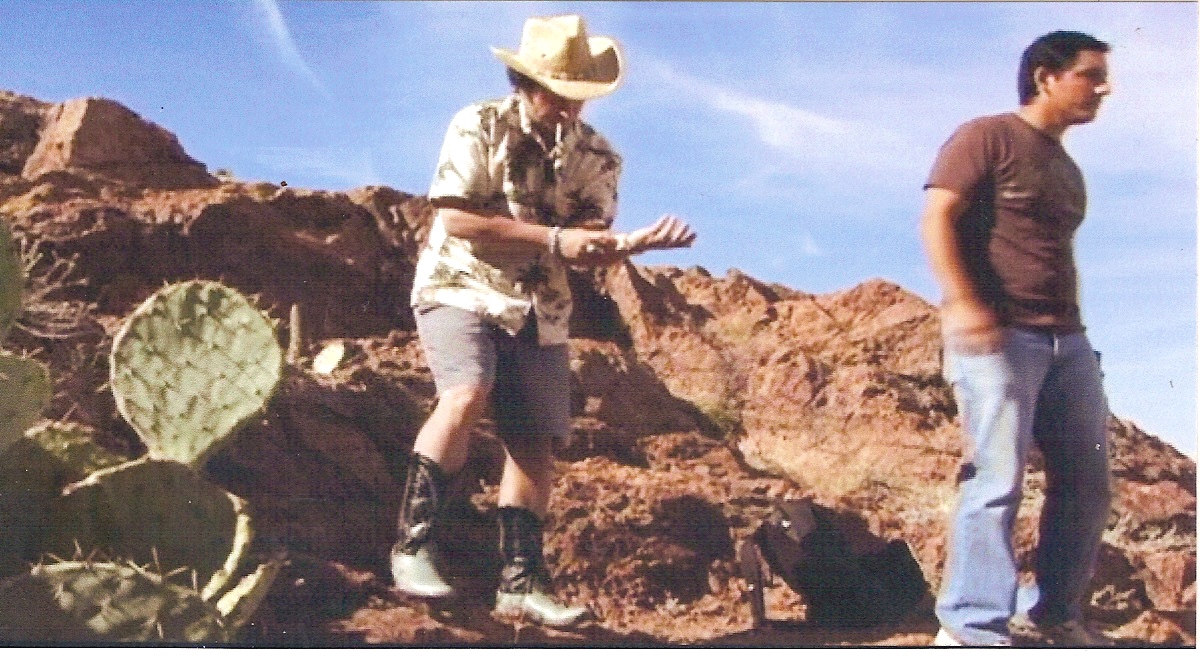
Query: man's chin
{"type": "Point", "coordinates": [1086, 116]}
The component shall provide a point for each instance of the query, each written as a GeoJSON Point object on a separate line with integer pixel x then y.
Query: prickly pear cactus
{"type": "Point", "coordinates": [24, 393]}
{"type": "Point", "coordinates": [33, 472]}
{"type": "Point", "coordinates": [104, 602]}
{"type": "Point", "coordinates": [12, 280]}
{"type": "Point", "coordinates": [191, 365]}
{"type": "Point", "coordinates": [239, 604]}
{"type": "Point", "coordinates": [157, 511]}
{"type": "Point", "coordinates": [68, 449]}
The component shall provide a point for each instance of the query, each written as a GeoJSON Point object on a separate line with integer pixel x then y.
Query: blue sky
{"type": "Point", "coordinates": [794, 136]}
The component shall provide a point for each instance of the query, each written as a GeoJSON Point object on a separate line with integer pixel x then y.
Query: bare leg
{"type": "Point", "coordinates": [528, 475]}
{"type": "Point", "coordinates": [445, 437]}
{"type": "Point", "coordinates": [440, 450]}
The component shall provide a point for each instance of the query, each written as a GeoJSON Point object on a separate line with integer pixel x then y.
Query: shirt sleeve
{"type": "Point", "coordinates": [462, 168]}
{"type": "Point", "coordinates": [964, 161]}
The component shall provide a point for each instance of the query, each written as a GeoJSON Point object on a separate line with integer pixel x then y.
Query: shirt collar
{"type": "Point", "coordinates": [525, 120]}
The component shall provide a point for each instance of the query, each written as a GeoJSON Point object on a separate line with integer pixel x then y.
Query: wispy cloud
{"type": "Point", "coordinates": [285, 45]}
{"type": "Point", "coordinates": [338, 167]}
{"type": "Point", "coordinates": [805, 246]}
{"type": "Point", "coordinates": [797, 135]}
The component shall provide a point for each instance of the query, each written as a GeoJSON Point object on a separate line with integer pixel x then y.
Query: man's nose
{"type": "Point", "coordinates": [1103, 89]}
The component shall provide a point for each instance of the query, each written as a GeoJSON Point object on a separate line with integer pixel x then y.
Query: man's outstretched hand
{"type": "Point", "coordinates": [667, 232]}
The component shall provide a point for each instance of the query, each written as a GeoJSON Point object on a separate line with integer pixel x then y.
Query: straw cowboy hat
{"type": "Point", "coordinates": [557, 53]}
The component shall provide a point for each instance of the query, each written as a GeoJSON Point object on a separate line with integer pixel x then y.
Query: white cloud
{"type": "Point", "coordinates": [809, 246]}
{"type": "Point", "coordinates": [804, 246]}
{"type": "Point", "coordinates": [1174, 263]}
{"type": "Point", "coordinates": [805, 140]}
{"type": "Point", "coordinates": [341, 167]}
{"type": "Point", "coordinates": [285, 45]}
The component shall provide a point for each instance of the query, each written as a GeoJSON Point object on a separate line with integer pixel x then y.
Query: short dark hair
{"type": "Point", "coordinates": [520, 81]}
{"type": "Point", "coordinates": [1056, 52]}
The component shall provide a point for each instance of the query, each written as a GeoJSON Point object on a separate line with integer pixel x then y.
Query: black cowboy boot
{"type": "Point", "coordinates": [525, 589]}
{"type": "Point", "coordinates": [413, 567]}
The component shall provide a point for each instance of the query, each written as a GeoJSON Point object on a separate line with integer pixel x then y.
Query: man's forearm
{"type": "Point", "coordinates": [496, 228]}
{"type": "Point", "coordinates": [947, 264]}
{"type": "Point", "coordinates": [943, 249]}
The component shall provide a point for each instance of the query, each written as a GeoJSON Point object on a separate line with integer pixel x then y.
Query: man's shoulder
{"type": "Point", "coordinates": [484, 111]}
{"type": "Point", "coordinates": [990, 124]}
{"type": "Point", "coordinates": [595, 143]}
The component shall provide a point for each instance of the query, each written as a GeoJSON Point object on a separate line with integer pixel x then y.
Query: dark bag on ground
{"type": "Point", "coordinates": [848, 578]}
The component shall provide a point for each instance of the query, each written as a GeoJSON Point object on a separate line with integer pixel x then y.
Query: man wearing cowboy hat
{"type": "Point", "coordinates": [523, 190]}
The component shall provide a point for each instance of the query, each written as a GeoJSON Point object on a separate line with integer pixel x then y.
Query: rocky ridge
{"type": "Point", "coordinates": [696, 400]}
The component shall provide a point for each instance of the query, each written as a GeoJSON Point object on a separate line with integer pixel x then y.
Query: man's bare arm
{"type": "Point", "coordinates": [966, 319]}
{"type": "Point", "coordinates": [574, 244]}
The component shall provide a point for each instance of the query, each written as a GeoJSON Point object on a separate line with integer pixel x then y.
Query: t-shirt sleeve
{"type": "Point", "coordinates": [462, 168]}
{"type": "Point", "coordinates": [964, 160]}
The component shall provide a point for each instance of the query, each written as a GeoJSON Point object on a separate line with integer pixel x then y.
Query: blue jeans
{"type": "Point", "coordinates": [1042, 390]}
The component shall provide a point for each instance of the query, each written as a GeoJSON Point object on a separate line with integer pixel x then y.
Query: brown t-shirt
{"type": "Point", "coordinates": [1026, 198]}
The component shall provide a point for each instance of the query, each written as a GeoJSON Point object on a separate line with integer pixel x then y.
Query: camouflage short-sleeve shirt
{"type": "Point", "coordinates": [492, 161]}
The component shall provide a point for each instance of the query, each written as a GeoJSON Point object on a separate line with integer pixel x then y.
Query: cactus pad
{"type": "Point", "coordinates": [33, 472]}
{"type": "Point", "coordinates": [68, 449]}
{"type": "Point", "coordinates": [24, 393]}
{"type": "Point", "coordinates": [154, 511]}
{"type": "Point", "coordinates": [191, 365]}
{"type": "Point", "coordinates": [12, 280]}
{"type": "Point", "coordinates": [103, 602]}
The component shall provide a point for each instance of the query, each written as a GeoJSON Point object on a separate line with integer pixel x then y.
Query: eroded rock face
{"type": "Point", "coordinates": [105, 137]}
{"type": "Point", "coordinates": [696, 400]}
{"type": "Point", "coordinates": [842, 394]}
{"type": "Point", "coordinates": [21, 119]}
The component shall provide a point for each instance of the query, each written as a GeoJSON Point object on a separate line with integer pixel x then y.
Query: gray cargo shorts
{"type": "Point", "coordinates": [531, 384]}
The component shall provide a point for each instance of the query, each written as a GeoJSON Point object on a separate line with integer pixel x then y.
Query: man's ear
{"type": "Point", "coordinates": [1041, 76]}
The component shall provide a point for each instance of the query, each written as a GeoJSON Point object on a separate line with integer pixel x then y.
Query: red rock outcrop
{"type": "Point", "coordinates": [21, 119]}
{"type": "Point", "coordinates": [104, 137]}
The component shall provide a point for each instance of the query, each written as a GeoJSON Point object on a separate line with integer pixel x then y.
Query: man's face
{"type": "Point", "coordinates": [1076, 92]}
{"type": "Point", "coordinates": [549, 109]}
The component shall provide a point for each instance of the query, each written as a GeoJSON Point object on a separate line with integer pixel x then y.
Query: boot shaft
{"type": "Point", "coordinates": [424, 490]}
{"type": "Point", "coordinates": [521, 548]}
{"type": "Point", "coordinates": [525, 588]}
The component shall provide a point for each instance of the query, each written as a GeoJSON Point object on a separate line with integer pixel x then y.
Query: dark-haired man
{"type": "Point", "coordinates": [523, 190]}
{"type": "Point", "coordinates": [1003, 202]}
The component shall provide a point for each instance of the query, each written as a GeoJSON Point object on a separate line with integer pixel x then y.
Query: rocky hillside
{"type": "Point", "coordinates": [697, 399]}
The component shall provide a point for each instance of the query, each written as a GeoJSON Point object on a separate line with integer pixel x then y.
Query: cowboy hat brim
{"type": "Point", "coordinates": [607, 71]}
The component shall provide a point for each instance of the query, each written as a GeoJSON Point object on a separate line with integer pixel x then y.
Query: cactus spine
{"type": "Point", "coordinates": [104, 602]}
{"type": "Point", "coordinates": [188, 368]}
{"type": "Point", "coordinates": [154, 510]}
{"type": "Point", "coordinates": [191, 365]}
{"type": "Point", "coordinates": [68, 449]}
{"type": "Point", "coordinates": [32, 473]}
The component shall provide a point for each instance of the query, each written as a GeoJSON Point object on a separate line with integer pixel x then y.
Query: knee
{"type": "Point", "coordinates": [466, 402]}
{"type": "Point", "coordinates": [987, 484]}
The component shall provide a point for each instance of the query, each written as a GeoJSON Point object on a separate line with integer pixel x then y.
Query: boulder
{"type": "Point", "coordinates": [106, 138]}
